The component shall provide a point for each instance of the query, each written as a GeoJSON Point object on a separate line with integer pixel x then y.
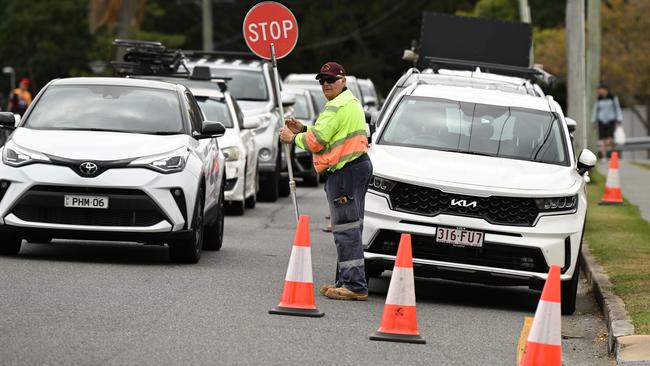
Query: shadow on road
{"type": "Point", "coordinates": [465, 294]}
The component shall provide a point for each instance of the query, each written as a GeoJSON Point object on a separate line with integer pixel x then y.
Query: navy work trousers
{"type": "Point", "coordinates": [346, 192]}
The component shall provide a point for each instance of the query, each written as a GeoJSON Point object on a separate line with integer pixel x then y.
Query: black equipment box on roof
{"type": "Point", "coordinates": [474, 39]}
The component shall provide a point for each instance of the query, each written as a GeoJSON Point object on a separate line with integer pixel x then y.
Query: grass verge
{"type": "Point", "coordinates": [642, 165]}
{"type": "Point", "coordinates": [620, 239]}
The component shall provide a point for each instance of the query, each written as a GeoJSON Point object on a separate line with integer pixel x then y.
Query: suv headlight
{"type": "Point", "coordinates": [172, 162]}
{"type": "Point", "coordinates": [231, 153]}
{"type": "Point", "coordinates": [380, 184]}
{"type": "Point", "coordinates": [554, 204]}
{"type": "Point", "coordinates": [14, 155]}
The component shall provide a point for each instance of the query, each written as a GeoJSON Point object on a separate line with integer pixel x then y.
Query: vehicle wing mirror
{"type": "Point", "coordinates": [586, 161]}
{"type": "Point", "coordinates": [211, 129]}
{"type": "Point", "coordinates": [287, 99]}
{"type": "Point", "coordinates": [9, 120]}
{"type": "Point", "coordinates": [571, 124]}
{"type": "Point", "coordinates": [251, 122]}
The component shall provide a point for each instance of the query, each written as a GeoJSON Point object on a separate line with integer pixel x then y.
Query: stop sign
{"type": "Point", "coordinates": [270, 22]}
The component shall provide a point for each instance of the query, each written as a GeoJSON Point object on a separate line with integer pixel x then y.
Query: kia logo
{"type": "Point", "coordinates": [88, 168]}
{"type": "Point", "coordinates": [463, 203]}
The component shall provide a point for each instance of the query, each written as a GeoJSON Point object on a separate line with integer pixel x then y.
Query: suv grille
{"type": "Point", "coordinates": [431, 202]}
{"type": "Point", "coordinates": [126, 207]}
{"type": "Point", "coordinates": [490, 255]}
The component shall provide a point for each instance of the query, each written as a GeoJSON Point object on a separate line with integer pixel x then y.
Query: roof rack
{"type": "Point", "coordinates": [533, 73]}
{"type": "Point", "coordinates": [222, 54]}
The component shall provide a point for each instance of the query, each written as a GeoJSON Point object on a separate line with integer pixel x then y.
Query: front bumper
{"type": "Point", "coordinates": [511, 255]}
{"type": "Point", "coordinates": [142, 204]}
{"type": "Point", "coordinates": [235, 172]}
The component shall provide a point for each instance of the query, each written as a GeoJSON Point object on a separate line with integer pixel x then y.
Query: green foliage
{"type": "Point", "coordinates": [496, 9]}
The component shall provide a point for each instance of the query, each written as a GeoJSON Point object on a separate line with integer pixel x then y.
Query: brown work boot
{"type": "Point", "coordinates": [324, 289]}
{"type": "Point", "coordinates": [342, 293]}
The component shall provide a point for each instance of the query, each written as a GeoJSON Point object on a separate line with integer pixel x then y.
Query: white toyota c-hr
{"type": "Point", "coordinates": [486, 183]}
{"type": "Point", "coordinates": [113, 159]}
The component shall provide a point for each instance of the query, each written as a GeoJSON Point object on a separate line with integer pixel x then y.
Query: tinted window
{"type": "Point", "coordinates": [476, 129]}
{"type": "Point", "coordinates": [120, 108]}
{"type": "Point", "coordinates": [301, 109]}
{"type": "Point", "coordinates": [245, 84]}
{"type": "Point", "coordinates": [216, 110]}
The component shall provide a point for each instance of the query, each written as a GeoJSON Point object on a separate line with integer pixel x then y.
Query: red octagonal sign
{"type": "Point", "coordinates": [270, 22]}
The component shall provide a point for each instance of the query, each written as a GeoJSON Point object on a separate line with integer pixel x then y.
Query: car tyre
{"type": "Point", "coordinates": [213, 239]}
{"type": "Point", "coordinates": [284, 189]}
{"type": "Point", "coordinates": [10, 245]}
{"type": "Point", "coordinates": [269, 190]}
{"type": "Point", "coordinates": [311, 180]}
{"type": "Point", "coordinates": [189, 251]}
{"type": "Point", "coordinates": [570, 291]}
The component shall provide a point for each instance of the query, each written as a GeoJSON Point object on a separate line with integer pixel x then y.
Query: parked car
{"type": "Point", "coordinates": [372, 98]}
{"type": "Point", "coordinates": [310, 80]}
{"type": "Point", "coordinates": [252, 85]}
{"type": "Point", "coordinates": [113, 159]}
{"type": "Point", "coordinates": [485, 180]}
{"type": "Point", "coordinates": [304, 110]}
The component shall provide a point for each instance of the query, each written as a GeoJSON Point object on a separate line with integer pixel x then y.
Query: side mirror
{"type": "Point", "coordinates": [251, 122]}
{"type": "Point", "coordinates": [370, 103]}
{"type": "Point", "coordinates": [211, 129]}
{"type": "Point", "coordinates": [571, 124]}
{"type": "Point", "coordinates": [287, 99]}
{"type": "Point", "coordinates": [9, 120]}
{"type": "Point", "coordinates": [368, 116]}
{"type": "Point", "coordinates": [586, 161]}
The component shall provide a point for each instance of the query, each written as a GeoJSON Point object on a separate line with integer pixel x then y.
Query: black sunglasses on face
{"type": "Point", "coordinates": [329, 80]}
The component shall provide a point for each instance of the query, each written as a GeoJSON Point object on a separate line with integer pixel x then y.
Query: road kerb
{"type": "Point", "coordinates": [523, 338]}
{"type": "Point", "coordinates": [619, 325]}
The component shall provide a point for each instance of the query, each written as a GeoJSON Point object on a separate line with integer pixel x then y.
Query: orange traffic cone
{"type": "Point", "coordinates": [399, 323]}
{"type": "Point", "coordinates": [298, 294]}
{"type": "Point", "coordinates": [544, 346]}
{"type": "Point", "coordinates": [612, 195]}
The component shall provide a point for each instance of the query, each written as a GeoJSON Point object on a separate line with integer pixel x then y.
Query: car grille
{"type": "Point", "coordinates": [492, 255]}
{"type": "Point", "coordinates": [126, 207]}
{"type": "Point", "coordinates": [431, 202]}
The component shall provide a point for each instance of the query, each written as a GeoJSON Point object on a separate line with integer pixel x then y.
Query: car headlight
{"type": "Point", "coordinates": [231, 153]}
{"type": "Point", "coordinates": [172, 162]}
{"type": "Point", "coordinates": [14, 155]}
{"type": "Point", "coordinates": [380, 184]}
{"type": "Point", "coordinates": [553, 204]}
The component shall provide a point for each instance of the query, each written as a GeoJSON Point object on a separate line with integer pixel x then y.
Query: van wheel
{"type": "Point", "coordinates": [190, 251]}
{"type": "Point", "coordinates": [10, 245]}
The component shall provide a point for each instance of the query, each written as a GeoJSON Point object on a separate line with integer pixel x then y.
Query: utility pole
{"type": "Point", "coordinates": [594, 39]}
{"type": "Point", "coordinates": [524, 16]}
{"type": "Point", "coordinates": [124, 25]}
{"type": "Point", "coordinates": [576, 81]}
{"type": "Point", "coordinates": [207, 26]}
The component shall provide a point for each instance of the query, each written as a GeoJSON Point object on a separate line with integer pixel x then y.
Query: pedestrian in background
{"type": "Point", "coordinates": [339, 143]}
{"type": "Point", "coordinates": [605, 116]}
{"type": "Point", "coordinates": [20, 98]}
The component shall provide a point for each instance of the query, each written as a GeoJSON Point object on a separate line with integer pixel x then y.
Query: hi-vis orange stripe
{"type": "Point", "coordinates": [354, 144]}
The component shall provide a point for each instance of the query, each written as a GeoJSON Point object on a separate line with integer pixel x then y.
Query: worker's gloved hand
{"type": "Point", "coordinates": [293, 125]}
{"type": "Point", "coordinates": [286, 136]}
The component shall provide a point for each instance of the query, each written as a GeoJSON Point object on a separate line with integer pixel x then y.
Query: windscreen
{"type": "Point", "coordinates": [107, 107]}
{"type": "Point", "coordinates": [476, 129]}
{"type": "Point", "coordinates": [300, 108]}
{"type": "Point", "coordinates": [244, 84]}
{"type": "Point", "coordinates": [215, 110]}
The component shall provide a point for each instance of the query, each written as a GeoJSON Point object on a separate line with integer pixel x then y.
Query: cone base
{"type": "Point", "coordinates": [311, 313]}
{"type": "Point", "coordinates": [610, 203]}
{"type": "Point", "coordinates": [393, 337]}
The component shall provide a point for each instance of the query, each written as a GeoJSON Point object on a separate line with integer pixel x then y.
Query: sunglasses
{"type": "Point", "coordinates": [329, 80]}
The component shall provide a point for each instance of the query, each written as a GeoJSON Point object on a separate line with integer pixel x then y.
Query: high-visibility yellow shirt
{"type": "Point", "coordinates": [339, 134]}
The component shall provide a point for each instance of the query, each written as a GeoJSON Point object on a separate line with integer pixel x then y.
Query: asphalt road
{"type": "Point", "coordinates": [97, 303]}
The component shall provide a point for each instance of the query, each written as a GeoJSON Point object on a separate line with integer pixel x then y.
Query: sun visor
{"type": "Point", "coordinates": [474, 39]}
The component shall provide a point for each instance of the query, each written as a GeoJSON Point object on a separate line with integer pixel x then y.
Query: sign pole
{"type": "Point", "coordinates": [287, 147]}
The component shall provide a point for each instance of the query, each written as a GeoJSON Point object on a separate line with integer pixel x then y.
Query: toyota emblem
{"type": "Point", "coordinates": [88, 168]}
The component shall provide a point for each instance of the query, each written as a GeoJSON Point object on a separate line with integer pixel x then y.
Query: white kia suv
{"type": "Point", "coordinates": [113, 159]}
{"type": "Point", "coordinates": [485, 181]}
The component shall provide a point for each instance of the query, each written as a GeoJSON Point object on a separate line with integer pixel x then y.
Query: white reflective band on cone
{"type": "Point", "coordinates": [613, 180]}
{"type": "Point", "coordinates": [299, 265]}
{"type": "Point", "coordinates": [402, 287]}
{"type": "Point", "coordinates": [547, 324]}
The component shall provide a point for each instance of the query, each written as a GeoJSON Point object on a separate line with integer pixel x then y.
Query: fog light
{"type": "Point", "coordinates": [177, 192]}
{"type": "Point", "coordinates": [265, 154]}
